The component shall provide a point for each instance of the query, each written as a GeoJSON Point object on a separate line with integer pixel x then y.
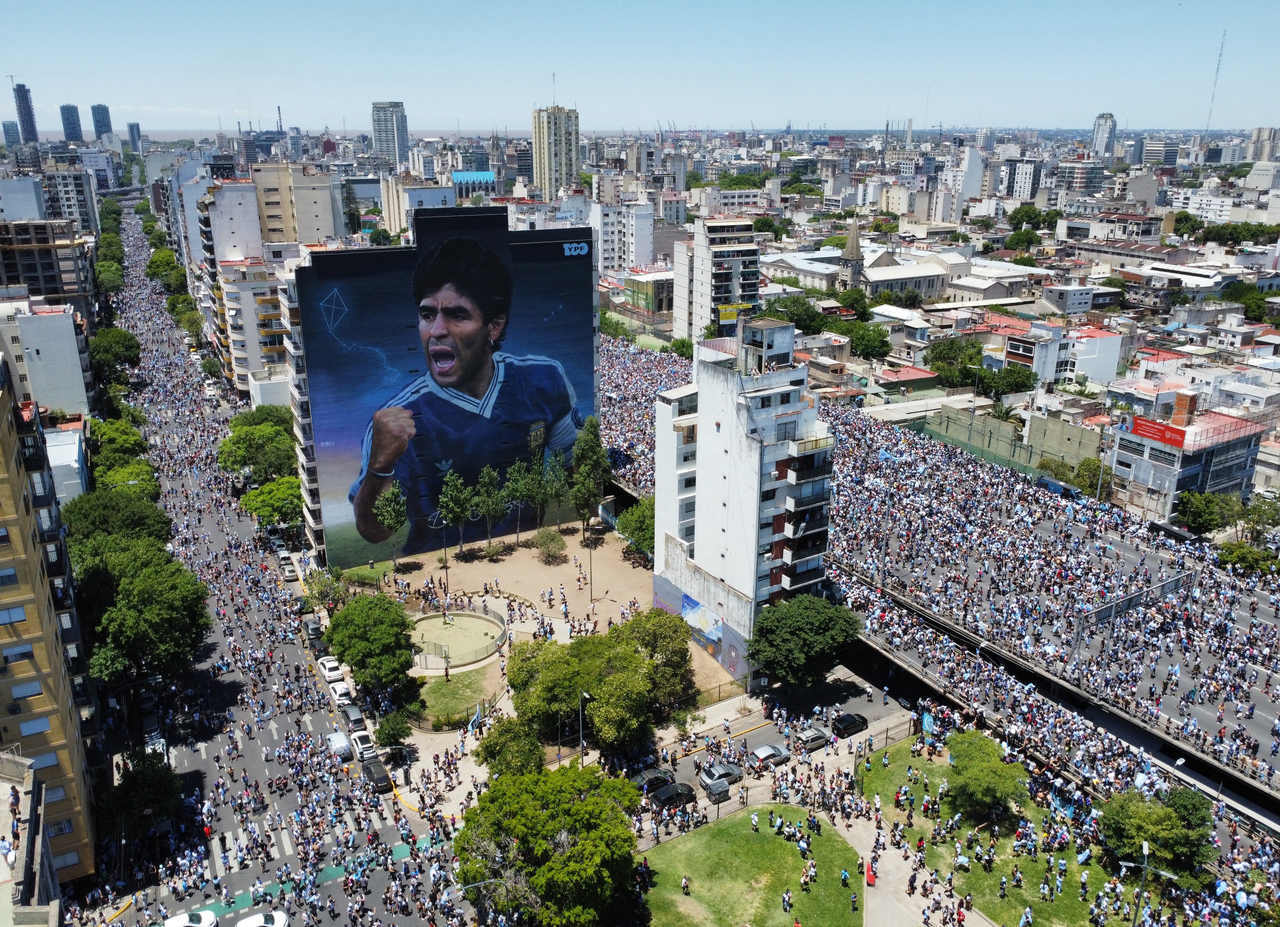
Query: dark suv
{"type": "Point", "coordinates": [847, 724]}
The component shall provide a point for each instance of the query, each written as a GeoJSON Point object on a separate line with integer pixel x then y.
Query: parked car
{"type": "Point", "coordinates": [717, 791]}
{"type": "Point", "coordinates": [365, 748]}
{"type": "Point", "coordinates": [289, 572]}
{"type": "Point", "coordinates": [354, 718]}
{"type": "Point", "coordinates": [264, 919]}
{"type": "Point", "coordinates": [341, 693]}
{"type": "Point", "coordinates": [813, 738]}
{"type": "Point", "coordinates": [728, 773]}
{"type": "Point", "coordinates": [192, 919]}
{"type": "Point", "coordinates": [339, 745]}
{"type": "Point", "coordinates": [653, 778]}
{"type": "Point", "coordinates": [330, 669]}
{"type": "Point", "coordinates": [770, 755]}
{"type": "Point", "coordinates": [673, 795]}
{"type": "Point", "coordinates": [377, 774]}
{"type": "Point", "coordinates": [846, 724]}
{"type": "Point", "coordinates": [311, 628]}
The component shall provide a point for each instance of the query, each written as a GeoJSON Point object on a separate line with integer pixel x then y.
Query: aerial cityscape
{"type": "Point", "coordinates": [730, 519]}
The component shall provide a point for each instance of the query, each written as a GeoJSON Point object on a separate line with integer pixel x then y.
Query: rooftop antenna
{"type": "Point", "coordinates": [553, 88]}
{"type": "Point", "coordinates": [1214, 92]}
{"type": "Point", "coordinates": [279, 120]}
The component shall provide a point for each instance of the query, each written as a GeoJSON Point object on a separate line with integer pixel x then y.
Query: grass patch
{"type": "Point", "coordinates": [737, 877]}
{"type": "Point", "coordinates": [1067, 910]}
{"type": "Point", "coordinates": [457, 696]}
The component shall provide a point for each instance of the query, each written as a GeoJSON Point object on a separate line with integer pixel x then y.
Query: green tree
{"type": "Point", "coordinates": [1022, 240]}
{"type": "Point", "coordinates": [1245, 557]}
{"type": "Point", "coordinates": [591, 470]}
{"type": "Point", "coordinates": [100, 561]}
{"type": "Point", "coordinates": [867, 341]}
{"type": "Point", "coordinates": [157, 238]}
{"type": "Point", "coordinates": [693, 179]}
{"type": "Point", "coordinates": [179, 303]}
{"type": "Point", "coordinates": [1025, 260]}
{"type": "Point", "coordinates": [856, 301]}
{"type": "Point", "coordinates": [371, 635]}
{"type": "Point", "coordinates": [1260, 516]}
{"type": "Point", "coordinates": [983, 222]}
{"type": "Point", "coordinates": [1185, 225]}
{"type": "Point", "coordinates": [110, 248]}
{"type": "Point", "coordinates": [110, 277]}
{"type": "Point", "coordinates": [1086, 478]}
{"type": "Point", "coordinates": [267, 450]}
{"type": "Point", "coordinates": [552, 486]}
{"type": "Point", "coordinates": [1176, 832]}
{"type": "Point", "coordinates": [798, 640]}
{"type": "Point", "coordinates": [454, 503]}
{"type": "Point", "coordinates": [510, 748]}
{"type": "Point", "coordinates": [390, 508]}
{"type": "Point", "coordinates": [1248, 296]}
{"type": "Point", "coordinates": [584, 180]}
{"type": "Point", "coordinates": [835, 241]}
{"type": "Point", "coordinates": [519, 490]}
{"type": "Point", "coordinates": [614, 327]}
{"type": "Point", "coordinates": [488, 501]}
{"type": "Point", "coordinates": [662, 640]}
{"type": "Point", "coordinates": [211, 368]}
{"type": "Point", "coordinates": [550, 545]}
{"type": "Point", "coordinates": [156, 625]}
{"type": "Point", "coordinates": [141, 208]}
{"type": "Point", "coordinates": [278, 502]}
{"type": "Point", "coordinates": [636, 525]}
{"type": "Point", "coordinates": [393, 730]}
{"type": "Point", "coordinates": [148, 792]}
{"type": "Point", "coordinates": [953, 352]}
{"type": "Point", "coordinates": [380, 238]}
{"type": "Point", "coordinates": [558, 844]}
{"type": "Point", "coordinates": [682, 347]}
{"type": "Point", "coordinates": [111, 352]}
{"type": "Point", "coordinates": [138, 476]}
{"type": "Point", "coordinates": [116, 512]}
{"type": "Point", "coordinates": [1203, 513]}
{"type": "Point", "coordinates": [279, 416]}
{"type": "Point", "coordinates": [1012, 378]}
{"type": "Point", "coordinates": [799, 311]}
{"type": "Point", "coordinates": [326, 589]}
{"type": "Point", "coordinates": [1025, 214]}
{"type": "Point", "coordinates": [983, 786]}
{"type": "Point", "coordinates": [161, 262]}
{"type": "Point", "coordinates": [114, 443]}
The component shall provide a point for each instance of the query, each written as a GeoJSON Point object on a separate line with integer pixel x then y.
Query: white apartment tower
{"type": "Point", "coordinates": [623, 234]}
{"type": "Point", "coordinates": [717, 277]}
{"type": "Point", "coordinates": [391, 132]}
{"type": "Point", "coordinates": [555, 149]}
{"type": "Point", "coordinates": [743, 486]}
{"type": "Point", "coordinates": [1104, 136]}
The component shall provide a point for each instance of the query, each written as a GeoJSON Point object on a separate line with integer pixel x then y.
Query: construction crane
{"type": "Point", "coordinates": [1213, 93]}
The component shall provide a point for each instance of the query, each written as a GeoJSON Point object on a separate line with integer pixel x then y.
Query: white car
{"type": "Point", "coordinates": [341, 693]}
{"type": "Point", "coordinates": [330, 669]}
{"type": "Point", "coordinates": [265, 919]}
{"type": "Point", "coordinates": [365, 747]}
{"type": "Point", "coordinates": [193, 919]}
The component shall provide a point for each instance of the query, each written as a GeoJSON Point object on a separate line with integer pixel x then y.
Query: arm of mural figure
{"type": "Point", "coordinates": [391, 430]}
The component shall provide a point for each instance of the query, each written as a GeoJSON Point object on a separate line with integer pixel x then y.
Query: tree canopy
{"type": "Point", "coordinates": [266, 449]}
{"type": "Point", "coordinates": [116, 512]}
{"type": "Point", "coordinates": [114, 443]}
{"type": "Point", "coordinates": [591, 470]}
{"type": "Point", "coordinates": [371, 635]}
{"type": "Point", "coordinates": [280, 416]}
{"type": "Point", "coordinates": [1205, 512]}
{"type": "Point", "coordinates": [636, 525]}
{"type": "Point", "coordinates": [556, 844]}
{"type": "Point", "coordinates": [155, 625]}
{"type": "Point", "coordinates": [982, 784]}
{"type": "Point", "coordinates": [510, 748]}
{"type": "Point", "coordinates": [137, 476]}
{"type": "Point", "coordinates": [1176, 830]}
{"type": "Point", "coordinates": [797, 641]}
{"type": "Point", "coordinates": [278, 502]}
{"type": "Point", "coordinates": [111, 352]}
{"type": "Point", "coordinates": [1022, 240]}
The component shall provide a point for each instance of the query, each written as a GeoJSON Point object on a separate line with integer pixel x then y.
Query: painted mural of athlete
{"type": "Point", "coordinates": [476, 406]}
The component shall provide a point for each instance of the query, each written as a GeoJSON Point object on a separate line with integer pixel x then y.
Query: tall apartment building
{"type": "Point", "coordinates": [26, 114]}
{"type": "Point", "coordinates": [72, 194]}
{"type": "Point", "coordinates": [1081, 176]}
{"type": "Point", "coordinates": [252, 331]}
{"type": "Point", "coordinates": [101, 165]}
{"type": "Point", "coordinates": [296, 203]}
{"type": "Point", "coordinates": [1020, 178]}
{"type": "Point", "coordinates": [101, 119]}
{"type": "Point", "coordinates": [49, 256]}
{"type": "Point", "coordinates": [555, 149]}
{"type": "Point", "coordinates": [742, 471]}
{"type": "Point", "coordinates": [22, 197]}
{"type": "Point", "coordinates": [48, 348]}
{"type": "Point", "coordinates": [135, 137]}
{"type": "Point", "coordinates": [391, 132]}
{"type": "Point", "coordinates": [623, 234]}
{"type": "Point", "coordinates": [1159, 152]}
{"type": "Point", "coordinates": [717, 277]}
{"type": "Point", "coordinates": [12, 134]}
{"type": "Point", "coordinates": [71, 130]}
{"type": "Point", "coordinates": [1264, 145]}
{"type": "Point", "coordinates": [1104, 136]}
{"type": "Point", "coordinates": [39, 637]}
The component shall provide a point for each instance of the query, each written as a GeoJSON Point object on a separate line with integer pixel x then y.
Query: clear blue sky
{"type": "Point", "coordinates": [705, 63]}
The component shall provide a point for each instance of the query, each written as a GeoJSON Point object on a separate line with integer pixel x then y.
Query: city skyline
{"type": "Point", "coordinates": [1017, 80]}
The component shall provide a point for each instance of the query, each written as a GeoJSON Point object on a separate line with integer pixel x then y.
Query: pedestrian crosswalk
{"type": "Point", "coordinates": [282, 847]}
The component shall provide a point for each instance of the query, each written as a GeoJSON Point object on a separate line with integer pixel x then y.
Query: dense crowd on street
{"type": "Point", "coordinates": [332, 815]}
{"type": "Point", "coordinates": [630, 379]}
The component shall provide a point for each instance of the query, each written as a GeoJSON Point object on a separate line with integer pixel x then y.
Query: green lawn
{"type": "Point", "coordinates": [1067, 910]}
{"type": "Point", "coordinates": [737, 877]}
{"type": "Point", "coordinates": [460, 694]}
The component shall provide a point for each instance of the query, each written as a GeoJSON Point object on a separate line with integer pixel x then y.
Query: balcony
{"type": "Point", "coordinates": [794, 579]}
{"type": "Point", "coordinates": [803, 473]}
{"type": "Point", "coordinates": [801, 448]}
{"type": "Point", "coordinates": [812, 546]}
{"type": "Point", "coordinates": [809, 500]}
{"type": "Point", "coordinates": [804, 525]}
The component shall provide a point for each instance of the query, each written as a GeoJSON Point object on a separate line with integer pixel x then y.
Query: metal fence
{"type": "Point", "coordinates": [454, 656]}
{"type": "Point", "coordinates": [1125, 603]}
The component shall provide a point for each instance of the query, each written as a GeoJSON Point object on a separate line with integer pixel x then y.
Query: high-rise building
{"type": "Point", "coordinates": [39, 634]}
{"type": "Point", "coordinates": [48, 347]}
{"type": "Point", "coordinates": [1104, 136]}
{"type": "Point", "coordinates": [72, 194]}
{"type": "Point", "coordinates": [71, 130]}
{"type": "Point", "coordinates": [1159, 152]}
{"type": "Point", "coordinates": [742, 468]}
{"type": "Point", "coordinates": [296, 205]}
{"type": "Point", "coordinates": [391, 132]}
{"type": "Point", "coordinates": [1020, 178]}
{"type": "Point", "coordinates": [1080, 176]}
{"type": "Point", "coordinates": [12, 134]}
{"type": "Point", "coordinates": [26, 114]}
{"type": "Point", "coordinates": [717, 277]}
{"type": "Point", "coordinates": [51, 257]}
{"type": "Point", "coordinates": [135, 137]}
{"type": "Point", "coordinates": [1264, 145]}
{"type": "Point", "coordinates": [101, 120]}
{"type": "Point", "coordinates": [555, 149]}
{"type": "Point", "coordinates": [623, 235]}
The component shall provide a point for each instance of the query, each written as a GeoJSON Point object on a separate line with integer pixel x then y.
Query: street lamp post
{"type": "Point", "coordinates": [582, 732]}
{"type": "Point", "coordinates": [1142, 888]}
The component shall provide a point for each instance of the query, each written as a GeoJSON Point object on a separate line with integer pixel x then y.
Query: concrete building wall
{"type": "Point", "coordinates": [57, 361]}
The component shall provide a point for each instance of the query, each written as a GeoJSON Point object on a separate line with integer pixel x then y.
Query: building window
{"type": "Point", "coordinates": [20, 652]}
{"type": "Point", "coordinates": [58, 828]}
{"type": "Point", "coordinates": [63, 860]}
{"type": "Point", "coordinates": [27, 689]}
{"type": "Point", "coordinates": [56, 793]}
{"type": "Point", "coordinates": [768, 494]}
{"type": "Point", "coordinates": [34, 726]}
{"type": "Point", "coordinates": [44, 760]}
{"type": "Point", "coordinates": [766, 401]}
{"type": "Point", "coordinates": [13, 615]}
{"type": "Point", "coordinates": [8, 577]}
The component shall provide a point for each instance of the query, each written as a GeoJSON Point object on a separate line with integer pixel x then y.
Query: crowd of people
{"type": "Point", "coordinates": [330, 812]}
{"type": "Point", "coordinates": [630, 379]}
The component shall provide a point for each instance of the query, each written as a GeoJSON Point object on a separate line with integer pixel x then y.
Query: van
{"type": "Point", "coordinates": [340, 745]}
{"type": "Point", "coordinates": [1058, 489]}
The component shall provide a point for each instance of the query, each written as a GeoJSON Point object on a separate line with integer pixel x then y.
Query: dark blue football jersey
{"type": "Point", "coordinates": [529, 411]}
